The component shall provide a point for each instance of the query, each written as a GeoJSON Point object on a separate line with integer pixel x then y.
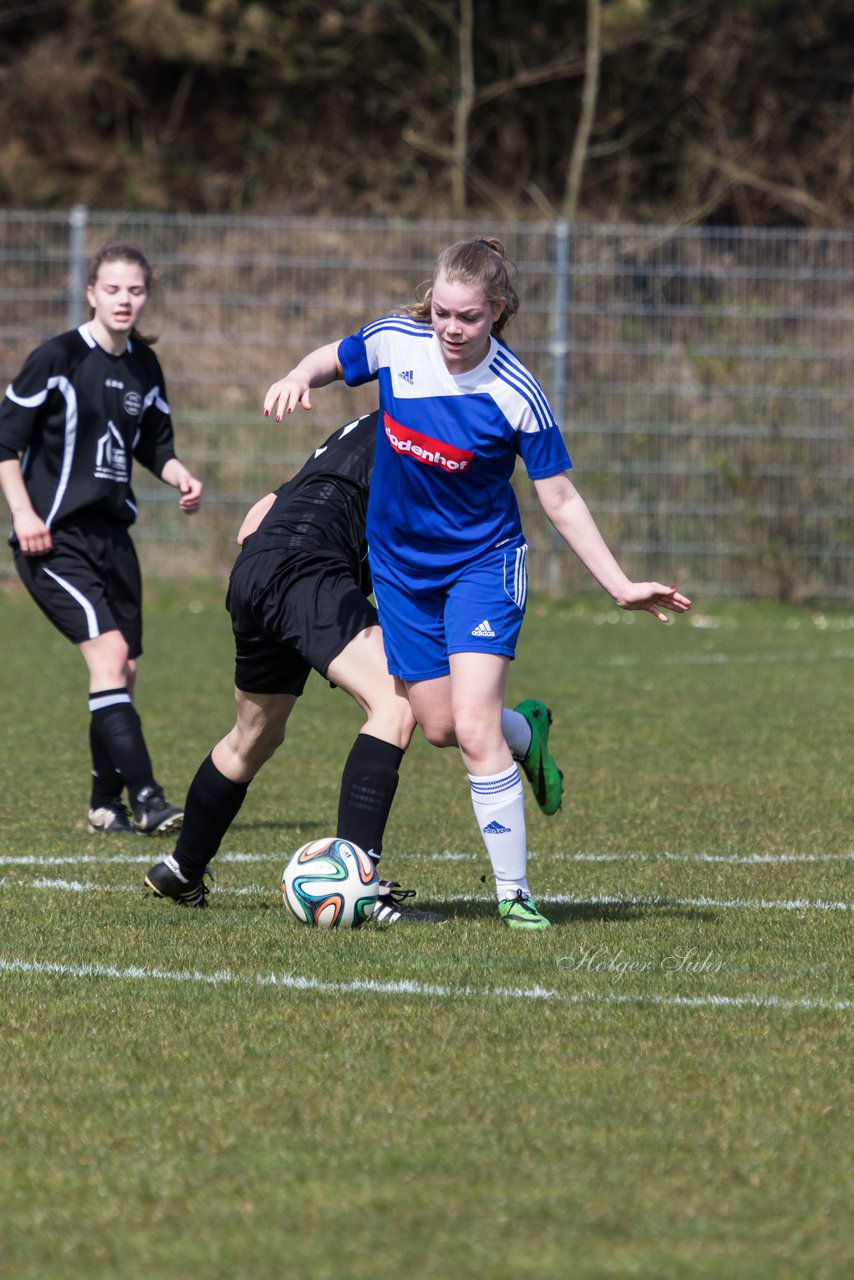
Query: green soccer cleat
{"type": "Point", "coordinates": [521, 912]}
{"type": "Point", "coordinates": [538, 766]}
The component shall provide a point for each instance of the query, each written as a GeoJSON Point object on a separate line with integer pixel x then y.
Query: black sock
{"type": "Point", "coordinates": [368, 784]}
{"type": "Point", "coordinates": [106, 780]}
{"type": "Point", "coordinates": [118, 727]}
{"type": "Point", "coordinates": [213, 802]}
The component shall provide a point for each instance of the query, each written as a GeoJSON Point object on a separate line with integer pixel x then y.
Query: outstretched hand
{"type": "Point", "coordinates": [284, 395]}
{"type": "Point", "coordinates": [654, 598]}
{"type": "Point", "coordinates": [317, 369]}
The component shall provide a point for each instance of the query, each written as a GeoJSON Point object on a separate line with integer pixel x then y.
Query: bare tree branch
{"type": "Point", "coordinates": [463, 106]}
{"type": "Point", "coordinates": [788, 196]}
{"type": "Point", "coordinates": [589, 96]}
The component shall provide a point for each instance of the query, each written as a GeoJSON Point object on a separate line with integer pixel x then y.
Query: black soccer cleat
{"type": "Point", "coordinates": [111, 819]}
{"type": "Point", "coordinates": [392, 907]}
{"type": "Point", "coordinates": [153, 814]}
{"type": "Point", "coordinates": [165, 881]}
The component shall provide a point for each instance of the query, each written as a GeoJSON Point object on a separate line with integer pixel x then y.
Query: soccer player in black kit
{"type": "Point", "coordinates": [84, 406]}
{"type": "Point", "coordinates": [298, 598]}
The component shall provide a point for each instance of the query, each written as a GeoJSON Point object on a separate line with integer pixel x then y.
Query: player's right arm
{"type": "Point", "coordinates": [317, 369]}
{"type": "Point", "coordinates": [31, 531]}
{"type": "Point", "coordinates": [24, 401]}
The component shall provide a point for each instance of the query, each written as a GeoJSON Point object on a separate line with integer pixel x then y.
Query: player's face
{"type": "Point", "coordinates": [462, 320]}
{"type": "Point", "coordinates": [117, 298]}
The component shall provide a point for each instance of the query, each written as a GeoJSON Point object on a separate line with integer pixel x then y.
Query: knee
{"type": "Point", "coordinates": [439, 735]}
{"type": "Point", "coordinates": [108, 660]}
{"type": "Point", "coordinates": [246, 749]}
{"type": "Point", "coordinates": [474, 734]}
{"type": "Point", "coordinates": [391, 720]}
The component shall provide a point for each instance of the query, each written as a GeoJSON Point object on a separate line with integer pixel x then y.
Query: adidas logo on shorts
{"type": "Point", "coordinates": [484, 630]}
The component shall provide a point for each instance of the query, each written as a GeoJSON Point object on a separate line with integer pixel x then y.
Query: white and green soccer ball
{"type": "Point", "coordinates": [331, 884]}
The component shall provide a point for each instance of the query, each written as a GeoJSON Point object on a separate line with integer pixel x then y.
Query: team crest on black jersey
{"type": "Point", "coordinates": [111, 459]}
{"type": "Point", "coordinates": [132, 403]}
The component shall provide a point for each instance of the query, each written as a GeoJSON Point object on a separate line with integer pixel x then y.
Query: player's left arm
{"type": "Point", "coordinates": [569, 514]}
{"type": "Point", "coordinates": [176, 474]}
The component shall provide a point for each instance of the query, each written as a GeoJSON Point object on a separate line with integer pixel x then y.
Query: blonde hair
{"type": "Point", "coordinates": [122, 253]}
{"type": "Point", "coordinates": [482, 262]}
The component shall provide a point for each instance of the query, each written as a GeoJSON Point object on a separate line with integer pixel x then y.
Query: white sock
{"type": "Point", "coordinates": [499, 806]}
{"type": "Point", "coordinates": [517, 733]}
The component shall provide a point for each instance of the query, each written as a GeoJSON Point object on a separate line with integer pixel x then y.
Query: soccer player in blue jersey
{"type": "Point", "coordinates": [447, 550]}
{"type": "Point", "coordinates": [83, 407]}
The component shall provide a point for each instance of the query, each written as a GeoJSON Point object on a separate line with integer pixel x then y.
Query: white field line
{"type": "Point", "coordinates": [735, 859]}
{"type": "Point", "coordinates": [120, 859]}
{"type": "Point", "coordinates": [296, 982]}
{"type": "Point", "coordinates": [561, 899]}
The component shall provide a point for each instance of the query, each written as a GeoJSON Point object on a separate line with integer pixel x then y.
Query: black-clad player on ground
{"type": "Point", "coordinates": [83, 407]}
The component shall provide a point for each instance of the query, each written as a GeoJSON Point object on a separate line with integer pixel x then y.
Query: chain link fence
{"type": "Point", "coordinates": [702, 376]}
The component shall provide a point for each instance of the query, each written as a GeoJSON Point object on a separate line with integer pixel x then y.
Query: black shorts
{"type": "Point", "coordinates": [89, 583]}
{"type": "Point", "coordinates": [292, 617]}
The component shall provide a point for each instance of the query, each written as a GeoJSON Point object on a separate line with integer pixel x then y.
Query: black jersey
{"type": "Point", "coordinates": [322, 510]}
{"type": "Point", "coordinates": [78, 416]}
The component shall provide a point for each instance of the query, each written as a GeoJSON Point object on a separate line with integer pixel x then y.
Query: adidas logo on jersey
{"type": "Point", "coordinates": [495, 828]}
{"type": "Point", "coordinates": [408, 376]}
{"type": "Point", "coordinates": [484, 630]}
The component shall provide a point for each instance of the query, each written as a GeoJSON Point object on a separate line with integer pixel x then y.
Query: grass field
{"type": "Point", "coordinates": [657, 1087]}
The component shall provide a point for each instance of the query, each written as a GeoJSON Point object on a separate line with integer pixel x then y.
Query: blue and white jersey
{"type": "Point", "coordinates": [447, 445]}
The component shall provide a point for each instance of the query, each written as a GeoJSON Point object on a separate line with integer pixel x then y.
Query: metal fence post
{"type": "Point", "coordinates": [78, 220]}
{"type": "Point", "coordinates": [559, 345]}
{"type": "Point", "coordinates": [559, 348]}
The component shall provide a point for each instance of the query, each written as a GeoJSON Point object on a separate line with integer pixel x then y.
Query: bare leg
{"type": "Point", "coordinates": [468, 704]}
{"type": "Point", "coordinates": [360, 669]}
{"type": "Point", "coordinates": [258, 732]}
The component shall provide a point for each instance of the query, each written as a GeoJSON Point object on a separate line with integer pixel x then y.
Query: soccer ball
{"type": "Point", "coordinates": [331, 884]}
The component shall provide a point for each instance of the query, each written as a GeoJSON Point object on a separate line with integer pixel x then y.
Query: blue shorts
{"type": "Point", "coordinates": [479, 610]}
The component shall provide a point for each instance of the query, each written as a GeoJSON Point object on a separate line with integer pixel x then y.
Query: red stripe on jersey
{"type": "Point", "coordinates": [433, 453]}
